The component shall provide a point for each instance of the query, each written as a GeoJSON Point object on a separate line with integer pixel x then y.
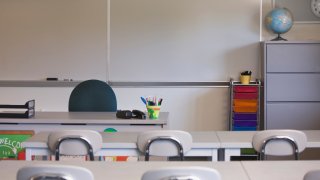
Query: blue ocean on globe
{"type": "Point", "coordinates": [279, 20]}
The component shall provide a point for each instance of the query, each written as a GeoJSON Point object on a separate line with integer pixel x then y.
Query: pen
{"type": "Point", "coordinates": [143, 100]}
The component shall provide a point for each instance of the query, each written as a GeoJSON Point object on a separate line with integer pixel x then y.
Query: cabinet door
{"type": "Point", "coordinates": [293, 87]}
{"type": "Point", "coordinates": [301, 116]}
{"type": "Point", "coordinates": [302, 57]}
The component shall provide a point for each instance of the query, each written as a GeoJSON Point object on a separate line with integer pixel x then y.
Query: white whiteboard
{"type": "Point", "coordinates": [150, 40]}
{"type": "Point", "coordinates": [183, 40]}
{"type": "Point", "coordinates": [53, 38]}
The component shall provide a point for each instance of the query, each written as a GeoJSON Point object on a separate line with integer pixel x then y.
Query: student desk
{"type": "Point", "coordinates": [99, 121]}
{"type": "Point", "coordinates": [245, 170]}
{"type": "Point", "coordinates": [127, 170]}
{"type": "Point", "coordinates": [232, 141]}
{"type": "Point", "coordinates": [279, 170]}
{"type": "Point", "coordinates": [124, 144]}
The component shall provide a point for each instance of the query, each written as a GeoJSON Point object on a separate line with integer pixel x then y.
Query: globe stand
{"type": "Point", "coordinates": [279, 38]}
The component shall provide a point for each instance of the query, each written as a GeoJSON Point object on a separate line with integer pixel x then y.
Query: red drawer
{"type": "Point", "coordinates": [239, 95]}
{"type": "Point", "coordinates": [246, 89]}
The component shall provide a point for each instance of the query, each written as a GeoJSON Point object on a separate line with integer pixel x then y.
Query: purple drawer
{"type": "Point", "coordinates": [245, 123]}
{"type": "Point", "coordinates": [245, 116]}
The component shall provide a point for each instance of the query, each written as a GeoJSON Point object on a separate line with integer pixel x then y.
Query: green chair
{"type": "Point", "coordinates": [93, 96]}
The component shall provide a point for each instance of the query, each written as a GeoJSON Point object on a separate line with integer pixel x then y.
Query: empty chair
{"type": "Point", "coordinates": [183, 173]}
{"type": "Point", "coordinates": [279, 143]}
{"type": "Point", "coordinates": [74, 142]}
{"type": "Point", "coordinates": [53, 172]}
{"type": "Point", "coordinates": [312, 175]}
{"type": "Point", "coordinates": [92, 96]}
{"type": "Point", "coordinates": [164, 143]}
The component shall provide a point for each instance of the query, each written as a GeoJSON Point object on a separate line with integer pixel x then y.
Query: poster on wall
{"type": "Point", "coordinates": [303, 11]}
{"type": "Point", "coordinates": [10, 143]}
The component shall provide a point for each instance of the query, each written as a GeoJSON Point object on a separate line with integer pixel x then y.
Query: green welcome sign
{"type": "Point", "coordinates": [10, 143]}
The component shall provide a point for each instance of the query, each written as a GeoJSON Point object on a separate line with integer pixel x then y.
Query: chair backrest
{"type": "Point", "coordinates": [74, 142]}
{"type": "Point", "coordinates": [52, 171]}
{"type": "Point", "coordinates": [91, 96]}
{"type": "Point", "coordinates": [164, 143]}
{"type": "Point", "coordinates": [183, 173]}
{"type": "Point", "coordinates": [312, 175]}
{"type": "Point", "coordinates": [279, 142]}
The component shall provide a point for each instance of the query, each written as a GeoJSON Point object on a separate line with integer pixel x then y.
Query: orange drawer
{"type": "Point", "coordinates": [245, 109]}
{"type": "Point", "coordinates": [245, 102]}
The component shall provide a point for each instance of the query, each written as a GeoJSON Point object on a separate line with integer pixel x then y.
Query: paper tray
{"type": "Point", "coordinates": [18, 111]}
{"type": "Point", "coordinates": [26, 114]}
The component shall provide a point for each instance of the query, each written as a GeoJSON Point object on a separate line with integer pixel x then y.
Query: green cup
{"type": "Point", "coordinates": [153, 112]}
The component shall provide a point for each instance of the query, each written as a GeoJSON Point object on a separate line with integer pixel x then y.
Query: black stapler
{"type": "Point", "coordinates": [127, 114]}
{"type": "Point", "coordinates": [124, 114]}
{"type": "Point", "coordinates": [138, 114]}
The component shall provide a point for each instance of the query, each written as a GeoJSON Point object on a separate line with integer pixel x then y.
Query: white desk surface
{"type": "Point", "coordinates": [127, 170]}
{"type": "Point", "coordinates": [83, 118]}
{"type": "Point", "coordinates": [313, 138]}
{"type": "Point", "coordinates": [279, 170]}
{"type": "Point", "coordinates": [127, 140]}
{"type": "Point", "coordinates": [237, 139]}
{"type": "Point", "coordinates": [244, 170]}
{"type": "Point", "coordinates": [243, 139]}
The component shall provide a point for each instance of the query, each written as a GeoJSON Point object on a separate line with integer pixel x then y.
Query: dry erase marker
{"type": "Point", "coordinates": [143, 100]}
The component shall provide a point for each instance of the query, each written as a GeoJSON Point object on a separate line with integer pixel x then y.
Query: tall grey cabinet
{"type": "Point", "coordinates": [291, 79]}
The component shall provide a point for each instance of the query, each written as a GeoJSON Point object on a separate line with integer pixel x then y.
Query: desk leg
{"type": "Point", "coordinates": [231, 152]}
{"type": "Point", "coordinates": [221, 154]}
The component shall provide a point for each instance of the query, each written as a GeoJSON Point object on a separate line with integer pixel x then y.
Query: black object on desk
{"type": "Point", "coordinates": [127, 114]}
{"type": "Point", "coordinates": [29, 106]}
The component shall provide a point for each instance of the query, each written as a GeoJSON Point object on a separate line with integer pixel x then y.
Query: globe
{"type": "Point", "coordinates": [279, 21]}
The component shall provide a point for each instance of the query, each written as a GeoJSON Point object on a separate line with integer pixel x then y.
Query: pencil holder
{"type": "Point", "coordinates": [245, 79]}
{"type": "Point", "coordinates": [153, 112]}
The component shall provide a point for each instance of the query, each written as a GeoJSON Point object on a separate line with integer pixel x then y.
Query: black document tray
{"type": "Point", "coordinates": [29, 106]}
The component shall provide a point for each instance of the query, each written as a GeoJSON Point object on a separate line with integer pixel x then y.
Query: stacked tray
{"type": "Point", "coordinates": [245, 108]}
{"type": "Point", "coordinates": [26, 110]}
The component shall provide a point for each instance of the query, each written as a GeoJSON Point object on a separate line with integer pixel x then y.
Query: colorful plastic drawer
{"type": "Point", "coordinates": [245, 102]}
{"type": "Point", "coordinates": [245, 116]}
{"type": "Point", "coordinates": [236, 128]}
{"type": "Point", "coordinates": [245, 109]}
{"type": "Point", "coordinates": [246, 89]}
{"type": "Point", "coordinates": [238, 95]}
{"type": "Point", "coordinates": [242, 123]}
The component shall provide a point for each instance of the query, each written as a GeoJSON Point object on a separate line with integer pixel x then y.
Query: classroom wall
{"type": "Point", "coordinates": [191, 108]}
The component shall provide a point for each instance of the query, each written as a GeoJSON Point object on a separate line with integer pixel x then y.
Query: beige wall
{"type": "Point", "coordinates": [190, 108]}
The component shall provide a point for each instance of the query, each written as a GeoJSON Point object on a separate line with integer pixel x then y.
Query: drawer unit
{"type": "Point", "coordinates": [244, 106]}
{"type": "Point", "coordinates": [291, 79]}
{"type": "Point", "coordinates": [298, 115]}
{"type": "Point", "coordinates": [293, 87]}
{"type": "Point", "coordinates": [292, 57]}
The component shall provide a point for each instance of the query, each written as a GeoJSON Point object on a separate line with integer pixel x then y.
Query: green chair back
{"type": "Point", "coordinates": [93, 96]}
